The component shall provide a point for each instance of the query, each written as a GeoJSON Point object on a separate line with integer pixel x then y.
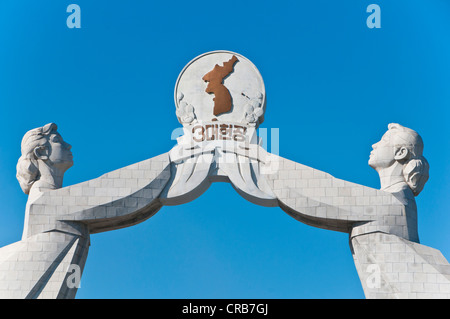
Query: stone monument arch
{"type": "Point", "coordinates": [220, 101]}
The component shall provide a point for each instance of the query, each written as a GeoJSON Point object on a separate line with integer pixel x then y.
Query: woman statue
{"type": "Point", "coordinates": [382, 224]}
{"type": "Point", "coordinates": [48, 261]}
{"type": "Point", "coordinates": [45, 158]}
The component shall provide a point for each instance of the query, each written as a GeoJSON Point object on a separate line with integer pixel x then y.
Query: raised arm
{"type": "Point", "coordinates": [117, 199]}
{"type": "Point", "coordinates": [318, 199]}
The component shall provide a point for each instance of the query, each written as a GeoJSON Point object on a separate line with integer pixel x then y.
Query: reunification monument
{"type": "Point", "coordinates": [220, 101]}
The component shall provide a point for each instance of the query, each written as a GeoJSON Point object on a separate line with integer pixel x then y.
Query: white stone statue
{"type": "Point", "coordinates": [220, 144]}
{"type": "Point", "coordinates": [45, 158]}
{"type": "Point", "coordinates": [49, 260]}
{"type": "Point", "coordinates": [398, 159]}
{"type": "Point", "coordinates": [382, 224]}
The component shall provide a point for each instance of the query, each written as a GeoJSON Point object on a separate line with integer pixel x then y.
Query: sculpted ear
{"type": "Point", "coordinates": [401, 154]}
{"type": "Point", "coordinates": [41, 152]}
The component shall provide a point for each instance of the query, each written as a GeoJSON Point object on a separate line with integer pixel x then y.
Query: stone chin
{"type": "Point", "coordinates": [379, 163]}
{"type": "Point", "coordinates": [65, 164]}
{"type": "Point", "coordinates": [372, 162]}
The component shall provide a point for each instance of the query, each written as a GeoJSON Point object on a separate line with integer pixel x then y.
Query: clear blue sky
{"type": "Point", "coordinates": [332, 85]}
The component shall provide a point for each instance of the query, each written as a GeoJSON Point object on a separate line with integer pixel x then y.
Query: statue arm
{"type": "Point", "coordinates": [118, 199]}
{"type": "Point", "coordinates": [318, 199]}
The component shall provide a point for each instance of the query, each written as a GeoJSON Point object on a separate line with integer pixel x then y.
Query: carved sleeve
{"type": "Point", "coordinates": [318, 199]}
{"type": "Point", "coordinates": [121, 198]}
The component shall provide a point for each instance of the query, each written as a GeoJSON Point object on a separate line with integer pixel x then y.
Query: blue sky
{"type": "Point", "coordinates": [332, 86]}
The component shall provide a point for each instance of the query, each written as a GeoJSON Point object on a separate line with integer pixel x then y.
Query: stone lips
{"type": "Point", "coordinates": [245, 85]}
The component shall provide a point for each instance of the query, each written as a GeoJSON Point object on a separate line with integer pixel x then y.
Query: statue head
{"type": "Point", "coordinates": [45, 156]}
{"type": "Point", "coordinates": [398, 155]}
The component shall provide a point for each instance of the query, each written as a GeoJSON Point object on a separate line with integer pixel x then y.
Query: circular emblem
{"type": "Point", "coordinates": [220, 86]}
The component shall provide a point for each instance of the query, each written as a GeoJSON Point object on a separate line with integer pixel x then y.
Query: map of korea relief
{"type": "Point", "coordinates": [215, 77]}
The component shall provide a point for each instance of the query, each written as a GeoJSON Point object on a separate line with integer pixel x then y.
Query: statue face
{"type": "Point", "coordinates": [383, 153]}
{"type": "Point", "coordinates": [60, 154]}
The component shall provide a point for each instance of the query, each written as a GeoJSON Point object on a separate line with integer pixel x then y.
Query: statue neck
{"type": "Point", "coordinates": [391, 178]}
{"type": "Point", "coordinates": [51, 177]}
